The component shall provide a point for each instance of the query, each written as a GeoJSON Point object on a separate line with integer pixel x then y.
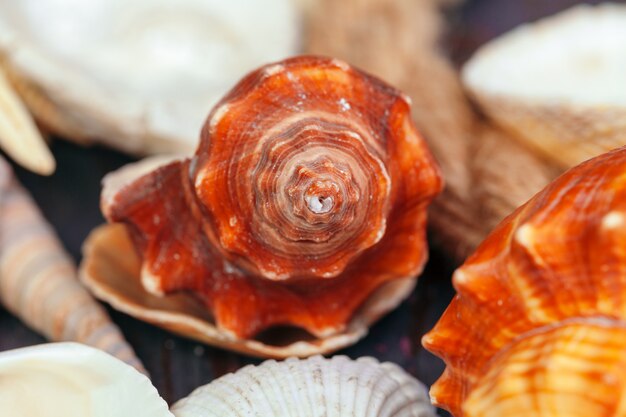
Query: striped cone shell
{"type": "Point", "coordinates": [39, 282]}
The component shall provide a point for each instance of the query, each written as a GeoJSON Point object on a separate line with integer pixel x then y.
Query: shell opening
{"type": "Point", "coordinates": [319, 204]}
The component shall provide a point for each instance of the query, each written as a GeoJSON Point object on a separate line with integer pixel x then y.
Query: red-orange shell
{"type": "Point", "coordinates": [308, 191]}
{"type": "Point", "coordinates": [559, 259]}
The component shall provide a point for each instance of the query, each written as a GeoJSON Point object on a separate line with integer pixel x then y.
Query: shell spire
{"type": "Point", "coordinates": [540, 312]}
{"type": "Point", "coordinates": [39, 282]}
{"type": "Point", "coordinates": [306, 195]}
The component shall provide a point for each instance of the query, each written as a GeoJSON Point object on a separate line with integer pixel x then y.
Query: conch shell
{"type": "Point", "coordinates": [304, 206]}
{"type": "Point", "coordinates": [314, 387]}
{"type": "Point", "coordinates": [558, 84]}
{"type": "Point", "coordinates": [137, 75]}
{"type": "Point", "coordinates": [538, 326]}
{"type": "Point", "coordinates": [39, 282]}
{"type": "Point", "coordinates": [73, 380]}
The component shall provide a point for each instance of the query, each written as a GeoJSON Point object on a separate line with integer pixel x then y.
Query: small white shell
{"type": "Point", "coordinates": [74, 380]}
{"type": "Point", "coordinates": [315, 387]}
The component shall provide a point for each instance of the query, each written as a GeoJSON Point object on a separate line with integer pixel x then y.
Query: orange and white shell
{"type": "Point", "coordinates": [304, 202]}
{"type": "Point", "coordinates": [538, 327]}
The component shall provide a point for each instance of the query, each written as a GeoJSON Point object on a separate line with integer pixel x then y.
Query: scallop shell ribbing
{"type": "Point", "coordinates": [315, 387]}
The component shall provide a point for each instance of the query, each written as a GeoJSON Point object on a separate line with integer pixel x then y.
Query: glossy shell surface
{"type": "Point", "coordinates": [74, 380]}
{"type": "Point", "coordinates": [306, 196]}
{"type": "Point", "coordinates": [557, 262]}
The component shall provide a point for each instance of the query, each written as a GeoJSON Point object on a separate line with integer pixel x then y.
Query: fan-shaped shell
{"type": "Point", "coordinates": [558, 84]}
{"type": "Point", "coordinates": [137, 75]}
{"type": "Point", "coordinates": [74, 380]}
{"type": "Point", "coordinates": [315, 387]}
{"type": "Point", "coordinates": [306, 197]}
{"type": "Point", "coordinates": [559, 257]}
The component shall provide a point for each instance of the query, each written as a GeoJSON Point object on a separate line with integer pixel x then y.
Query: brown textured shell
{"type": "Point", "coordinates": [560, 257]}
{"type": "Point", "coordinates": [307, 194]}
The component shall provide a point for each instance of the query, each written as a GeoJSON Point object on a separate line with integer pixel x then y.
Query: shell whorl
{"type": "Point", "coordinates": [296, 176]}
{"type": "Point", "coordinates": [315, 387]}
{"type": "Point", "coordinates": [560, 257]}
{"type": "Point", "coordinates": [307, 194]}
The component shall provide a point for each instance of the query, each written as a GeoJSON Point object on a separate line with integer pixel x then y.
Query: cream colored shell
{"type": "Point", "coordinates": [559, 84]}
{"type": "Point", "coordinates": [139, 75]}
{"type": "Point", "coordinates": [315, 387]}
{"type": "Point", "coordinates": [74, 380]}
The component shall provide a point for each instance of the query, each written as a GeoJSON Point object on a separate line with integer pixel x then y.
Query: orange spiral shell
{"type": "Point", "coordinates": [541, 305]}
{"type": "Point", "coordinates": [308, 192]}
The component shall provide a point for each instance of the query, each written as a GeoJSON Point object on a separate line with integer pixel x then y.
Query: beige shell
{"type": "Point", "coordinates": [74, 380]}
{"type": "Point", "coordinates": [39, 282]}
{"type": "Point", "coordinates": [558, 84]}
{"type": "Point", "coordinates": [138, 75]}
{"type": "Point", "coordinates": [19, 136]}
{"type": "Point", "coordinates": [315, 387]}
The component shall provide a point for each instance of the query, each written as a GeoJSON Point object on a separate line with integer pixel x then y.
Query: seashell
{"type": "Point", "coordinates": [314, 387]}
{"type": "Point", "coordinates": [19, 136]}
{"type": "Point", "coordinates": [488, 174]}
{"type": "Point", "coordinates": [38, 280]}
{"type": "Point", "coordinates": [137, 75]}
{"type": "Point", "coordinates": [538, 324]}
{"type": "Point", "coordinates": [558, 84]}
{"type": "Point", "coordinates": [74, 380]}
{"type": "Point", "coordinates": [304, 206]}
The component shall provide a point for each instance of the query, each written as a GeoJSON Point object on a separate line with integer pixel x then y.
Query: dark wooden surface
{"type": "Point", "coordinates": [69, 199]}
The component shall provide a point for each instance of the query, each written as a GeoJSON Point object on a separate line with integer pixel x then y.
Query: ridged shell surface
{"type": "Point", "coordinates": [315, 387]}
{"type": "Point", "coordinates": [560, 257]}
{"type": "Point", "coordinates": [307, 195]}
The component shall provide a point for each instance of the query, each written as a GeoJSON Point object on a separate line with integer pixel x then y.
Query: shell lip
{"type": "Point", "coordinates": [110, 270]}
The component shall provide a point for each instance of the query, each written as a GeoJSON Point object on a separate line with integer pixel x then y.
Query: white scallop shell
{"type": "Point", "coordinates": [74, 380]}
{"type": "Point", "coordinates": [314, 387]}
{"type": "Point", "coordinates": [140, 75]}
